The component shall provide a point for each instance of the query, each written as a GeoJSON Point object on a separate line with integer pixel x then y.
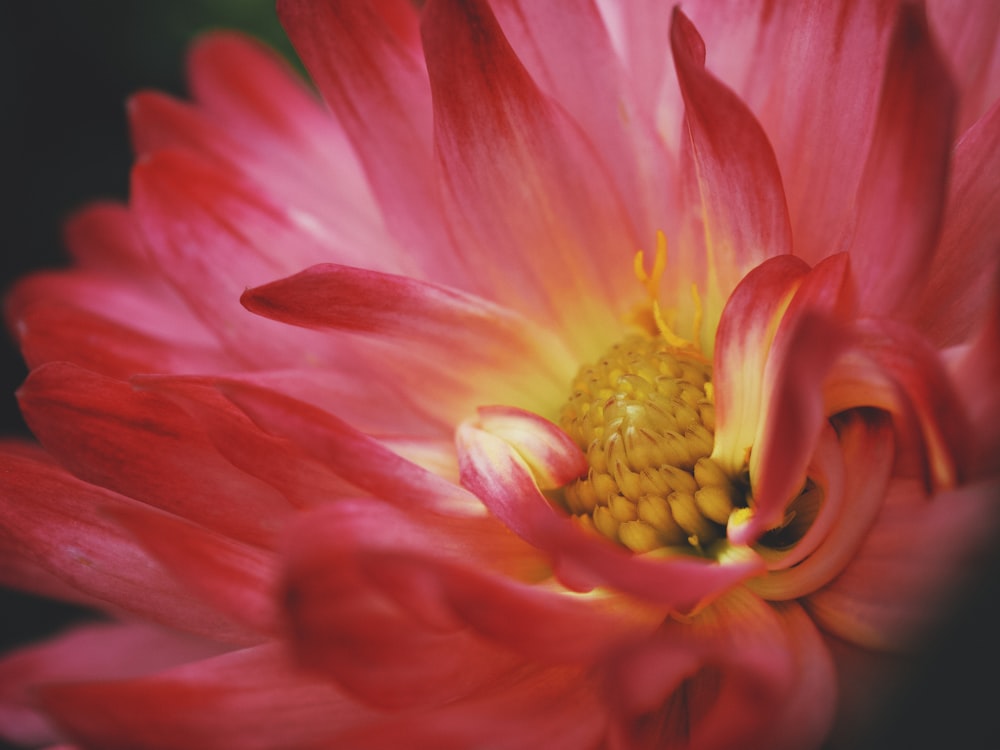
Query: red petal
{"type": "Point", "coordinates": [902, 191]}
{"type": "Point", "coordinates": [249, 699]}
{"type": "Point", "coordinates": [141, 445]}
{"type": "Point", "coordinates": [442, 578]}
{"type": "Point", "coordinates": [59, 523]}
{"type": "Point", "coordinates": [89, 652]}
{"type": "Point", "coordinates": [234, 578]}
{"type": "Point", "coordinates": [348, 627]}
{"type": "Point", "coordinates": [742, 200]}
{"type": "Point", "coordinates": [524, 182]}
{"type": "Point", "coordinates": [492, 469]}
{"type": "Point", "coordinates": [742, 674]}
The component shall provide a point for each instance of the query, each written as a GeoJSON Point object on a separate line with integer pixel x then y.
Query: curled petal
{"type": "Point", "coordinates": [850, 507]}
{"type": "Point", "coordinates": [493, 469]}
{"type": "Point", "coordinates": [749, 323]}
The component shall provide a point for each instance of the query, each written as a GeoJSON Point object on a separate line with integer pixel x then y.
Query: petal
{"type": "Point", "coordinates": [902, 191]}
{"type": "Point", "coordinates": [493, 469]}
{"type": "Point", "coordinates": [567, 51]}
{"type": "Point", "coordinates": [968, 33]}
{"type": "Point", "coordinates": [811, 73]}
{"type": "Point", "coordinates": [553, 457]}
{"type": "Point", "coordinates": [212, 233]}
{"type": "Point", "coordinates": [60, 524]}
{"type": "Point", "coordinates": [529, 197]}
{"type": "Point", "coordinates": [889, 366]}
{"type": "Point", "coordinates": [746, 330]}
{"type": "Point", "coordinates": [236, 579]}
{"type": "Point", "coordinates": [739, 674]}
{"type": "Point", "coordinates": [901, 582]}
{"type": "Point", "coordinates": [88, 652]}
{"type": "Point", "coordinates": [354, 456]}
{"type": "Point", "coordinates": [742, 201]}
{"type": "Point", "coordinates": [443, 584]}
{"type": "Point", "coordinates": [371, 79]}
{"type": "Point", "coordinates": [250, 699]}
{"type": "Point", "coordinates": [792, 413]}
{"type": "Point", "coordinates": [866, 443]}
{"type": "Point", "coordinates": [554, 708]}
{"type": "Point", "coordinates": [422, 314]}
{"type": "Point", "coordinates": [345, 625]}
{"type": "Point", "coordinates": [109, 327]}
{"type": "Point", "coordinates": [141, 445]}
{"type": "Point", "coordinates": [962, 277]}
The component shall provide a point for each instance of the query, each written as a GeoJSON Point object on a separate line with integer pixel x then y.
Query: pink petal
{"type": "Point", "coordinates": [962, 276]}
{"type": "Point", "coordinates": [901, 581]}
{"type": "Point", "coordinates": [746, 330]}
{"type": "Point", "coordinates": [60, 523]}
{"type": "Point", "coordinates": [742, 674]}
{"type": "Point", "coordinates": [742, 200]}
{"type": "Point", "coordinates": [811, 73]}
{"type": "Point", "coordinates": [250, 699]}
{"type": "Point", "coordinates": [101, 324]}
{"type": "Point", "coordinates": [377, 87]}
{"type": "Point", "coordinates": [567, 51]}
{"type": "Point", "coordinates": [212, 233]}
{"type": "Point", "coordinates": [514, 170]}
{"type": "Point", "coordinates": [105, 651]}
{"type": "Point", "coordinates": [419, 313]}
{"type": "Point", "coordinates": [141, 445]}
{"type": "Point", "coordinates": [967, 34]}
{"type": "Point", "coordinates": [902, 190]}
{"type": "Point", "coordinates": [354, 456]}
{"type": "Point", "coordinates": [493, 469]}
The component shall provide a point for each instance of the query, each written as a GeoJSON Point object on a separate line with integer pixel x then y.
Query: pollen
{"type": "Point", "coordinates": [645, 418]}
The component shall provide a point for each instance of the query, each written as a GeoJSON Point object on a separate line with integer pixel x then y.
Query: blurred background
{"type": "Point", "coordinates": [66, 68]}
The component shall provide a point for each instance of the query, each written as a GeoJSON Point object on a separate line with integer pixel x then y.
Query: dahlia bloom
{"type": "Point", "coordinates": [366, 425]}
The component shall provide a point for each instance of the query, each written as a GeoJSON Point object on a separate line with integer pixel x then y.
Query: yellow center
{"type": "Point", "coordinates": [644, 416]}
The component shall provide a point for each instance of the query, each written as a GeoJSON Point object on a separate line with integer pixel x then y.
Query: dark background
{"type": "Point", "coordinates": [66, 68]}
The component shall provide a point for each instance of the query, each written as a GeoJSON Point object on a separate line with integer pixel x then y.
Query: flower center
{"type": "Point", "coordinates": [644, 415]}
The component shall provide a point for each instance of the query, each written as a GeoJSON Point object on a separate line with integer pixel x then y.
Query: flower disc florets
{"type": "Point", "coordinates": [644, 415]}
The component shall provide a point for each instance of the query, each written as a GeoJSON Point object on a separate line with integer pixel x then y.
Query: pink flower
{"type": "Point", "coordinates": [462, 470]}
